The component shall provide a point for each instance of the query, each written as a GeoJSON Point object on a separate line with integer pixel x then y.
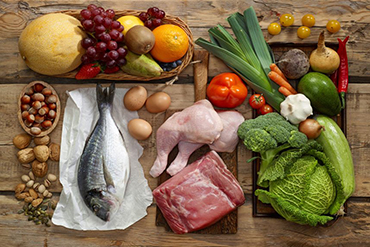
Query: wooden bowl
{"type": "Point", "coordinates": [44, 131]}
{"type": "Point", "coordinates": [122, 76]}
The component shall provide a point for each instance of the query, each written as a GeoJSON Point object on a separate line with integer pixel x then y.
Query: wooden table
{"type": "Point", "coordinates": [351, 230]}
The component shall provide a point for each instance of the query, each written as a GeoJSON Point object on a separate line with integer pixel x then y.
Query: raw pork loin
{"type": "Point", "coordinates": [199, 195]}
{"type": "Point", "coordinates": [227, 141]}
{"type": "Point", "coordinates": [198, 123]}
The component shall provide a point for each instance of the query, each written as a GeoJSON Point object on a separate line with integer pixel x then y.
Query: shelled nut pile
{"type": "Point", "coordinates": [35, 184]}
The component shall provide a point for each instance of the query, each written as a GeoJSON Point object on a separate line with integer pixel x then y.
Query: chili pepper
{"type": "Point", "coordinates": [334, 78]}
{"type": "Point", "coordinates": [227, 90]}
{"type": "Point", "coordinates": [343, 70]}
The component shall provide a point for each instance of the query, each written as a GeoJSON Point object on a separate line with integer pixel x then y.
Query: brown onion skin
{"type": "Point", "coordinates": [311, 128]}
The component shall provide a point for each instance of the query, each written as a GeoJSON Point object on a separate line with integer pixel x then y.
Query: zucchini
{"type": "Point", "coordinates": [337, 149]}
{"type": "Point", "coordinates": [321, 92]}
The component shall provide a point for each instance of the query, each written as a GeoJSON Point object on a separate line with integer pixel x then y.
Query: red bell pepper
{"type": "Point", "coordinates": [227, 90]}
{"type": "Point", "coordinates": [343, 70]}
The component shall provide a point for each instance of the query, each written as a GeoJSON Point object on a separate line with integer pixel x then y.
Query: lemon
{"type": "Point", "coordinates": [51, 44]}
{"type": "Point", "coordinates": [128, 21]}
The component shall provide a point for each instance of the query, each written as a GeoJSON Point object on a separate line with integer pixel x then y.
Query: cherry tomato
{"type": "Point", "coordinates": [303, 32]}
{"type": "Point", "coordinates": [265, 109]}
{"type": "Point", "coordinates": [286, 20]}
{"type": "Point", "coordinates": [308, 20]}
{"type": "Point", "coordinates": [333, 26]}
{"type": "Point", "coordinates": [274, 28]}
{"type": "Point", "coordinates": [256, 101]}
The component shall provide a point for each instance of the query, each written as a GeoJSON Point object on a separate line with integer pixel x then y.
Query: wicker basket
{"type": "Point", "coordinates": [120, 75]}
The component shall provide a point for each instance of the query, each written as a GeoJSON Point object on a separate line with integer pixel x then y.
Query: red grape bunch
{"type": "Point", "coordinates": [152, 17]}
{"type": "Point", "coordinates": [105, 37]}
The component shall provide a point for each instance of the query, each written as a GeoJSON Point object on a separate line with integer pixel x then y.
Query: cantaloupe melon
{"type": "Point", "coordinates": [51, 44]}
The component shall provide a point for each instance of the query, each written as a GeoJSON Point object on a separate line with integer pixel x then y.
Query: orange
{"type": "Point", "coordinates": [171, 43]}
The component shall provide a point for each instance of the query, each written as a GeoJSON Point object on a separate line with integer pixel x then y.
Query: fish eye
{"type": "Point", "coordinates": [95, 207]}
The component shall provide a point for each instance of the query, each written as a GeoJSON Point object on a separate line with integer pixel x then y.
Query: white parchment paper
{"type": "Point", "coordinates": [80, 116]}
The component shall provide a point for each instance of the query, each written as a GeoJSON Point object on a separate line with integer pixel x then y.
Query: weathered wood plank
{"type": "Point", "coordinates": [347, 231]}
{"type": "Point", "coordinates": [200, 15]}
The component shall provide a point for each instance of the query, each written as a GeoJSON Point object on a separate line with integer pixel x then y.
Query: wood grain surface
{"type": "Point", "coordinates": [352, 230]}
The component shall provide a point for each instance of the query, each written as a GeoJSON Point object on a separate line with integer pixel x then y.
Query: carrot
{"type": "Point", "coordinates": [284, 91]}
{"type": "Point", "coordinates": [280, 81]}
{"type": "Point", "coordinates": [275, 68]}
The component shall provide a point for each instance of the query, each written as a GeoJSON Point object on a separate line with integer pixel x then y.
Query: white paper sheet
{"type": "Point", "coordinates": [81, 114]}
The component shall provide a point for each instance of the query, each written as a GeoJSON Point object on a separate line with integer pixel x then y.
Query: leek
{"type": "Point", "coordinates": [248, 55]}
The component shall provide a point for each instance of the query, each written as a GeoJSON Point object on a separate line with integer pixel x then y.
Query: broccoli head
{"type": "Point", "coordinates": [259, 140]}
{"type": "Point", "coordinates": [297, 139]}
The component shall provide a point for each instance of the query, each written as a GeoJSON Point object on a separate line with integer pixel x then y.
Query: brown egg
{"type": "Point", "coordinates": [139, 129]}
{"type": "Point", "coordinates": [158, 102]}
{"type": "Point", "coordinates": [135, 98]}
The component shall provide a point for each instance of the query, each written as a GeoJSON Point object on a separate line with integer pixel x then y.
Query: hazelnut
{"type": "Point", "coordinates": [22, 196]}
{"type": "Point", "coordinates": [25, 107]}
{"type": "Point", "coordinates": [46, 91]}
{"type": "Point", "coordinates": [38, 97]}
{"type": "Point", "coordinates": [39, 119]}
{"type": "Point", "coordinates": [52, 114]}
{"type": "Point", "coordinates": [54, 151]}
{"type": "Point", "coordinates": [22, 141]}
{"type": "Point", "coordinates": [19, 188]}
{"type": "Point", "coordinates": [36, 202]}
{"type": "Point", "coordinates": [52, 106]}
{"type": "Point", "coordinates": [26, 155]}
{"type": "Point", "coordinates": [24, 114]}
{"type": "Point", "coordinates": [46, 124]}
{"type": "Point", "coordinates": [43, 110]}
{"type": "Point", "coordinates": [26, 99]}
{"type": "Point", "coordinates": [42, 153]}
{"type": "Point", "coordinates": [44, 140]}
{"type": "Point", "coordinates": [39, 169]}
{"type": "Point", "coordinates": [36, 104]}
{"type": "Point", "coordinates": [38, 87]}
{"type": "Point", "coordinates": [35, 131]}
{"type": "Point", "coordinates": [29, 91]}
{"type": "Point", "coordinates": [33, 193]}
{"type": "Point", "coordinates": [28, 199]}
{"type": "Point", "coordinates": [51, 99]}
{"type": "Point", "coordinates": [32, 111]}
{"type": "Point", "coordinates": [30, 118]}
{"type": "Point", "coordinates": [52, 177]}
{"type": "Point", "coordinates": [28, 124]}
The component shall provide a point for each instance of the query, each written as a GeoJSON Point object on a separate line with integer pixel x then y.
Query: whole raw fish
{"type": "Point", "coordinates": [104, 166]}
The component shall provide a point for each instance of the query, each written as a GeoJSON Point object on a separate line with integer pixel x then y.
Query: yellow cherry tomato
{"type": "Point", "coordinates": [333, 26]}
{"type": "Point", "coordinates": [274, 28]}
{"type": "Point", "coordinates": [308, 20]}
{"type": "Point", "coordinates": [286, 20]}
{"type": "Point", "coordinates": [303, 32]}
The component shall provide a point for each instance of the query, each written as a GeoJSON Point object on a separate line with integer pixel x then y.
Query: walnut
{"type": "Point", "coordinates": [54, 151]}
{"type": "Point", "coordinates": [42, 140]}
{"type": "Point", "coordinates": [26, 155]}
{"type": "Point", "coordinates": [42, 153]}
{"type": "Point", "coordinates": [39, 169]}
{"type": "Point", "coordinates": [22, 141]}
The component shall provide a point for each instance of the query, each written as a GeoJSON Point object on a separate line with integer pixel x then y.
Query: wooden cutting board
{"type": "Point", "coordinates": [229, 223]}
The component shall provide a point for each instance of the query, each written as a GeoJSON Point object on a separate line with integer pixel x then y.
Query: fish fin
{"type": "Point", "coordinates": [107, 176]}
{"type": "Point", "coordinates": [112, 89]}
{"type": "Point", "coordinates": [100, 96]}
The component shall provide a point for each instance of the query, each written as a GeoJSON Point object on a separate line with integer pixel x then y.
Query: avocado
{"type": "Point", "coordinates": [141, 65]}
{"type": "Point", "coordinates": [322, 93]}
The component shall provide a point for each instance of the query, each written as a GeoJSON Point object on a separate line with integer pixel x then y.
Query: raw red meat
{"type": "Point", "coordinates": [199, 195]}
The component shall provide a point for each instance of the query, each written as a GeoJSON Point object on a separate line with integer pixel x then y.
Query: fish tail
{"type": "Point", "coordinates": [105, 98]}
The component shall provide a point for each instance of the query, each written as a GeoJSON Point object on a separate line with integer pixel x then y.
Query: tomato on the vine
{"type": "Point", "coordinates": [256, 101]}
{"type": "Point", "coordinates": [265, 109]}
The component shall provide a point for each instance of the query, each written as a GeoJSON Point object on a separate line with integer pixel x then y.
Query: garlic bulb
{"type": "Point", "coordinates": [296, 108]}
